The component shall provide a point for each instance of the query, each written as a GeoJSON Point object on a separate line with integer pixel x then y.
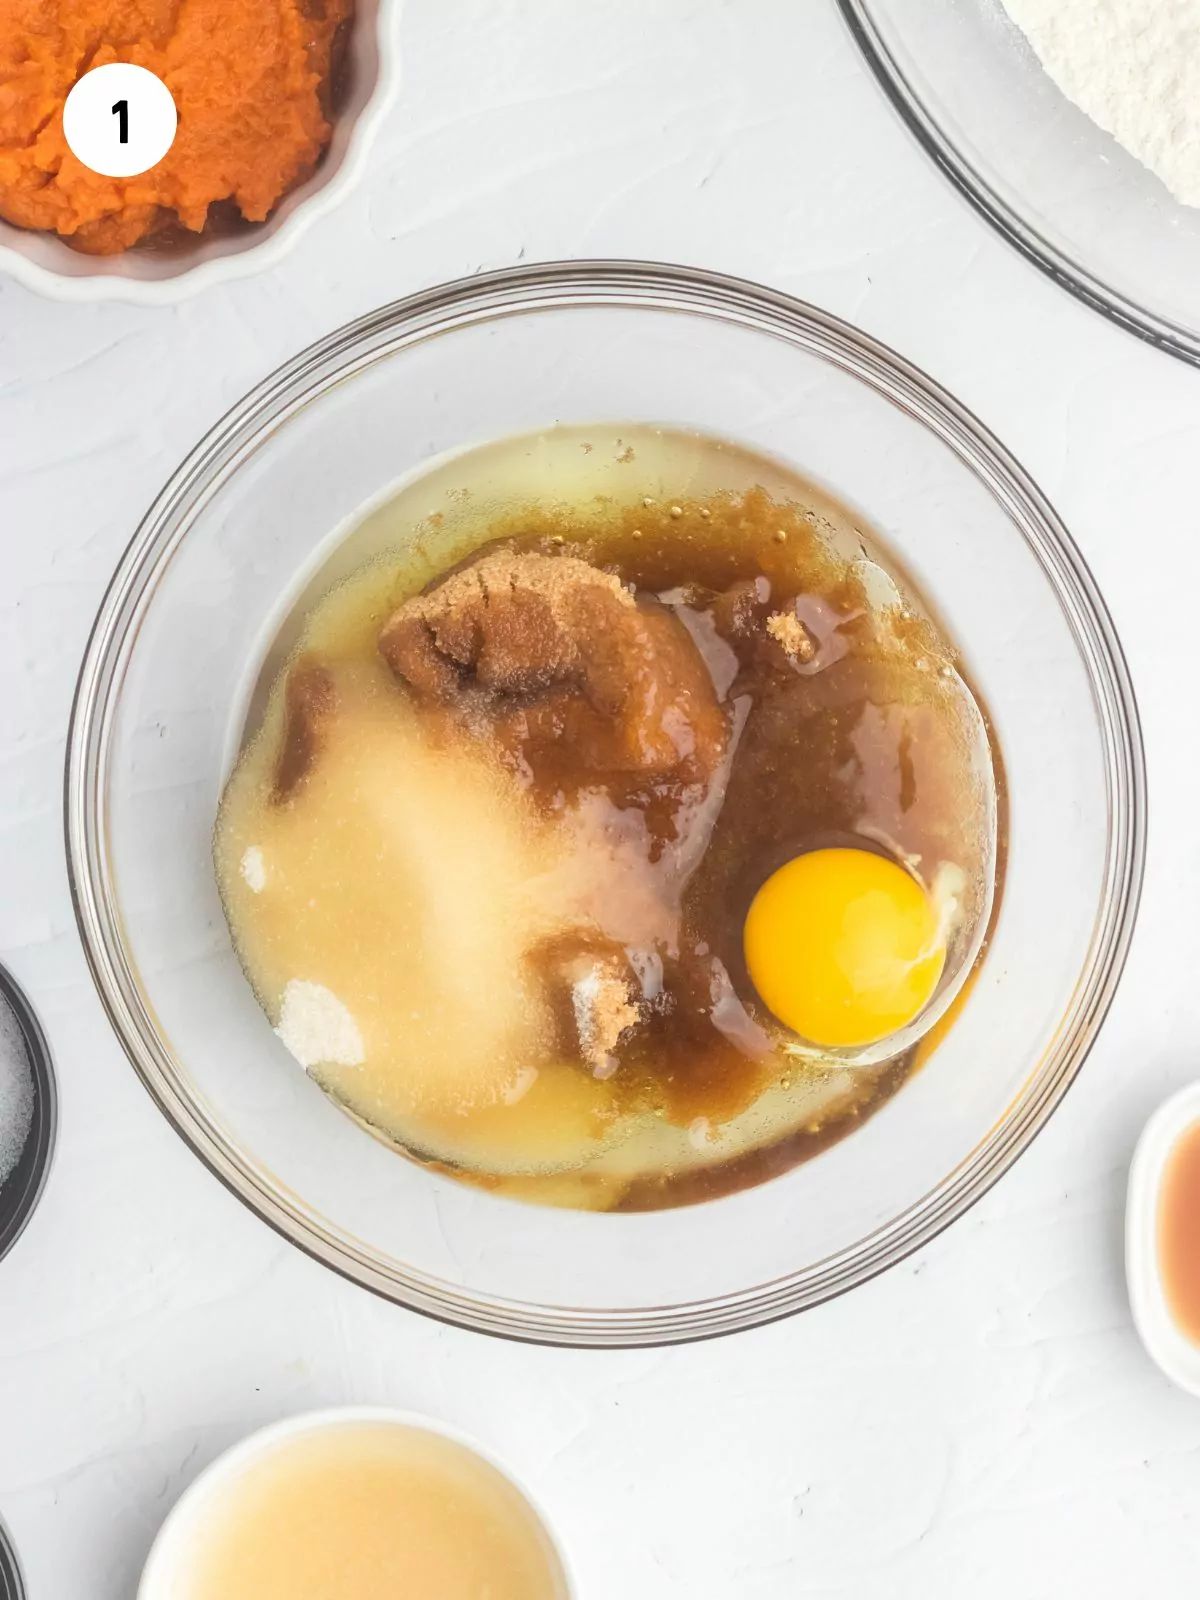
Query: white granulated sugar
{"type": "Point", "coordinates": [1134, 67]}
{"type": "Point", "coordinates": [520, 1086]}
{"type": "Point", "coordinates": [16, 1092]}
{"type": "Point", "coordinates": [254, 869]}
{"type": "Point", "coordinates": [604, 1009]}
{"type": "Point", "coordinates": [585, 991]}
{"type": "Point", "coordinates": [699, 1132]}
{"type": "Point", "coordinates": [317, 1028]}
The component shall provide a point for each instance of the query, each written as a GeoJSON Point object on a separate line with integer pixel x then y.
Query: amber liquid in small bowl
{"type": "Point", "coordinates": [1179, 1233]}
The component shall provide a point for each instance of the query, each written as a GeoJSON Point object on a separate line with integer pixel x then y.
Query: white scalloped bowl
{"type": "Point", "coordinates": [44, 263]}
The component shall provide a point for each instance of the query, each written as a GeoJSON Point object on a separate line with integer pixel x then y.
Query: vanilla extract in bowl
{"type": "Point", "coordinates": [514, 772]}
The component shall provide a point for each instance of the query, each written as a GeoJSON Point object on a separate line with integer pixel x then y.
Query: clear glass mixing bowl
{"type": "Point", "coordinates": [970, 87]}
{"type": "Point", "coordinates": [185, 621]}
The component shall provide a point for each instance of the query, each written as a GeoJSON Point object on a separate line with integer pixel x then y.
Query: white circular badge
{"type": "Point", "coordinates": [120, 120]}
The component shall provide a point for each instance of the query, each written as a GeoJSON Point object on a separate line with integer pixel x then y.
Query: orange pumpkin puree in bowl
{"type": "Point", "coordinates": [252, 81]}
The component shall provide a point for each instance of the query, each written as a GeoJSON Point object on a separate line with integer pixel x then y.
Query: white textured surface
{"type": "Point", "coordinates": [981, 1422]}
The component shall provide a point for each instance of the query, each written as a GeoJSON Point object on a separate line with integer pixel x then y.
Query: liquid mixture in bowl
{"type": "Point", "coordinates": [614, 834]}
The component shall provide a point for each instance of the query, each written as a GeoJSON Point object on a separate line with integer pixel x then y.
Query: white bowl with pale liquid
{"type": "Point", "coordinates": [254, 1507]}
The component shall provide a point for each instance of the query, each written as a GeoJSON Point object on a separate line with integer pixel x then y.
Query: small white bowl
{"type": "Point", "coordinates": [43, 262]}
{"type": "Point", "coordinates": [171, 1555]}
{"type": "Point", "coordinates": [1178, 1357]}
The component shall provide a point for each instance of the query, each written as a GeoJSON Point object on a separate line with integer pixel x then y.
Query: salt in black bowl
{"type": "Point", "coordinates": [21, 1189]}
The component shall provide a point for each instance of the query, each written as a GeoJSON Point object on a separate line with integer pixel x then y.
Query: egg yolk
{"type": "Point", "coordinates": [844, 946]}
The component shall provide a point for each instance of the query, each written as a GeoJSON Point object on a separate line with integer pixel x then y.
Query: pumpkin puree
{"type": "Point", "coordinates": [251, 84]}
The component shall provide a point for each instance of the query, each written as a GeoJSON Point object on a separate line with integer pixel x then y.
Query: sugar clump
{"type": "Point", "coordinates": [254, 869]}
{"type": "Point", "coordinates": [316, 1027]}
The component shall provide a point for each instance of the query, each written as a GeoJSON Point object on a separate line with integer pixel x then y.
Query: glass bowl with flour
{"type": "Point", "coordinates": [1074, 126]}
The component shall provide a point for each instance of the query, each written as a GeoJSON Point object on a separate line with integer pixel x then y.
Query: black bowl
{"type": "Point", "coordinates": [21, 1190]}
{"type": "Point", "coordinates": [11, 1587]}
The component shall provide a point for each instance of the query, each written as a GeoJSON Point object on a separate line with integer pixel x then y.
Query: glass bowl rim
{"type": "Point", "coordinates": [540, 288]}
{"type": "Point", "coordinates": [12, 1586]}
{"type": "Point", "coordinates": [1059, 266]}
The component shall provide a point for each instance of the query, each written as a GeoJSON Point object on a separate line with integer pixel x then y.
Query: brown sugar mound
{"type": "Point", "coordinates": [562, 666]}
{"type": "Point", "coordinates": [250, 79]}
{"type": "Point", "coordinates": [786, 629]}
{"type": "Point", "coordinates": [309, 700]}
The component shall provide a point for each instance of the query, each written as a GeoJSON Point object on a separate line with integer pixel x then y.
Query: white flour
{"type": "Point", "coordinates": [16, 1092]}
{"type": "Point", "coordinates": [1134, 67]}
